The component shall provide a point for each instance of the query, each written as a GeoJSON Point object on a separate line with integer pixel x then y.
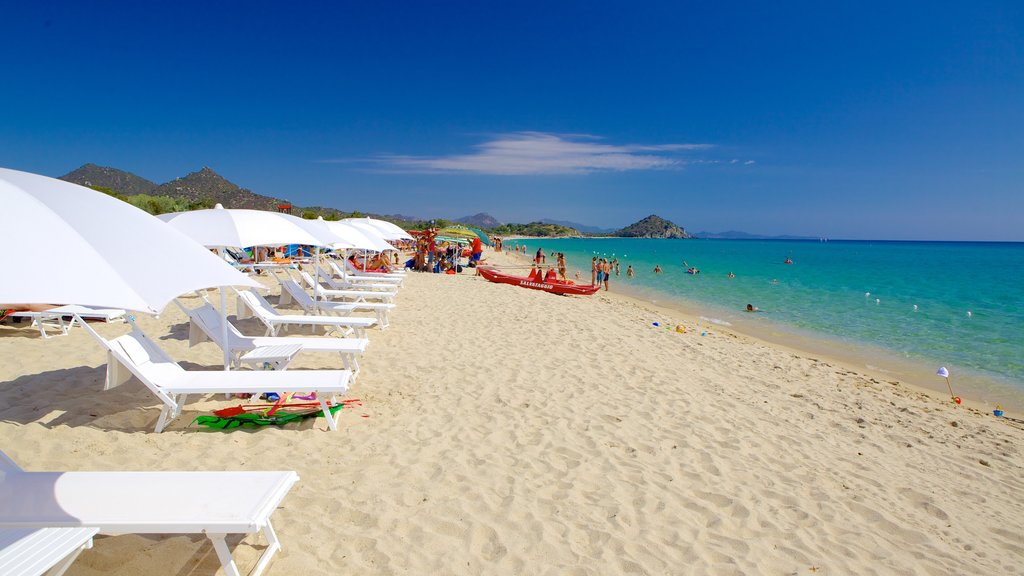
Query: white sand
{"type": "Point", "coordinates": [511, 431]}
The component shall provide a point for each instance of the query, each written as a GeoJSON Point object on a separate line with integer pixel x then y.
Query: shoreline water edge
{"type": "Point", "coordinates": [983, 391]}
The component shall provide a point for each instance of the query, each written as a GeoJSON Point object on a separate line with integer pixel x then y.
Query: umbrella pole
{"type": "Point", "coordinates": [224, 327]}
{"type": "Point", "coordinates": [316, 279]}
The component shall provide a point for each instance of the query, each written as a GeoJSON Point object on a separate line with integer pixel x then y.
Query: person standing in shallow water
{"type": "Point", "coordinates": [606, 269]}
{"type": "Point", "coordinates": [593, 271]}
{"type": "Point", "coordinates": [629, 271]}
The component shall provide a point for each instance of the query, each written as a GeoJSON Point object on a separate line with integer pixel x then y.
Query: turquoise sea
{"type": "Point", "coordinates": [969, 296]}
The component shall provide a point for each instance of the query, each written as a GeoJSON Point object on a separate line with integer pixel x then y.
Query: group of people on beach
{"type": "Point", "coordinates": [601, 270]}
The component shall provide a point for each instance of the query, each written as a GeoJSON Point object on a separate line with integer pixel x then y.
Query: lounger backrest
{"type": "Point", "coordinates": [147, 361]}
{"type": "Point", "coordinates": [308, 279]}
{"type": "Point", "coordinates": [301, 297]}
{"type": "Point", "coordinates": [258, 305]}
{"type": "Point", "coordinates": [208, 319]}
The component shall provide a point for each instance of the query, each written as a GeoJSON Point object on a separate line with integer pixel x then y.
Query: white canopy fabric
{"type": "Point", "coordinates": [85, 247]}
{"type": "Point", "coordinates": [324, 232]}
{"type": "Point", "coordinates": [359, 238]}
{"type": "Point", "coordinates": [386, 229]}
{"type": "Point", "coordinates": [240, 228]}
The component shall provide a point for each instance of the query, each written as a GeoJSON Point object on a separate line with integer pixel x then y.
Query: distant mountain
{"type": "Point", "coordinates": [481, 220]}
{"type": "Point", "coordinates": [738, 235]}
{"type": "Point", "coordinates": [202, 189]}
{"type": "Point", "coordinates": [112, 179]}
{"type": "Point", "coordinates": [581, 227]}
{"type": "Point", "coordinates": [206, 186]}
{"type": "Point", "coordinates": [652, 227]}
{"type": "Point", "coordinates": [399, 217]}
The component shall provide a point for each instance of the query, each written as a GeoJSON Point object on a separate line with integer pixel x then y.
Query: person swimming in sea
{"type": "Point", "coordinates": [731, 275]}
{"type": "Point", "coordinates": [752, 308]}
{"type": "Point", "coordinates": [788, 260]}
{"type": "Point", "coordinates": [657, 268]}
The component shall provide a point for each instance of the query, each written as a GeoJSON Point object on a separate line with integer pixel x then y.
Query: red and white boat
{"type": "Point", "coordinates": [547, 285]}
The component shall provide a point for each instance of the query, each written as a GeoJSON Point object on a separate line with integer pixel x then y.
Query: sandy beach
{"type": "Point", "coordinates": [510, 431]}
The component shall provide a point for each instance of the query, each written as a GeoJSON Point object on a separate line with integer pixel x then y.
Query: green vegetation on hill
{"type": "Point", "coordinates": [110, 178]}
{"type": "Point", "coordinates": [154, 204]}
{"type": "Point", "coordinates": [652, 227]}
{"type": "Point", "coordinates": [534, 229]}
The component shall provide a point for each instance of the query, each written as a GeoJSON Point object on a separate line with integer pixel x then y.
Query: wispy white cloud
{"type": "Point", "coordinates": [749, 162]}
{"type": "Point", "coordinates": [537, 153]}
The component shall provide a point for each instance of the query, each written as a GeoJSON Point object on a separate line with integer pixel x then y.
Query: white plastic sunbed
{"type": "Point", "coordinates": [346, 295]}
{"type": "Point", "coordinates": [274, 321]}
{"type": "Point", "coordinates": [292, 292]}
{"type": "Point", "coordinates": [134, 354]}
{"type": "Point", "coordinates": [36, 551]}
{"type": "Point", "coordinates": [215, 504]}
{"type": "Point", "coordinates": [205, 322]}
{"type": "Point", "coordinates": [350, 283]}
{"type": "Point", "coordinates": [346, 270]}
{"type": "Point", "coordinates": [53, 319]}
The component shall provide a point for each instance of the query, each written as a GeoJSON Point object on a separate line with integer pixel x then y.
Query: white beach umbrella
{"type": "Point", "coordinates": [92, 249]}
{"type": "Point", "coordinates": [240, 228]}
{"type": "Point", "coordinates": [387, 230]}
{"type": "Point", "coordinates": [360, 237]}
{"type": "Point", "coordinates": [324, 231]}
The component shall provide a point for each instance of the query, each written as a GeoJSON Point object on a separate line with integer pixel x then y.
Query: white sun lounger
{"type": "Point", "coordinates": [349, 275]}
{"type": "Point", "coordinates": [53, 319]}
{"type": "Point", "coordinates": [351, 283]}
{"type": "Point", "coordinates": [215, 504]}
{"type": "Point", "coordinates": [37, 551]}
{"type": "Point", "coordinates": [134, 354]}
{"type": "Point", "coordinates": [205, 323]}
{"type": "Point", "coordinates": [292, 292]}
{"type": "Point", "coordinates": [274, 320]}
{"type": "Point", "coordinates": [350, 269]}
{"type": "Point", "coordinates": [346, 295]}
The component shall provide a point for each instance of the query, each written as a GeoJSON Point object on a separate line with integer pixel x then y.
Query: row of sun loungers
{"type": "Point", "coordinates": [48, 518]}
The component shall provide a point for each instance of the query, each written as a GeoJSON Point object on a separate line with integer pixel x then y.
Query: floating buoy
{"type": "Point", "coordinates": [969, 314]}
{"type": "Point", "coordinates": [867, 294]}
{"type": "Point", "coordinates": [877, 301]}
{"type": "Point", "coordinates": [915, 307]}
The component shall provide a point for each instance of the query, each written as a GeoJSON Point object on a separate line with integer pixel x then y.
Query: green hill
{"type": "Point", "coordinates": [119, 181]}
{"type": "Point", "coordinates": [652, 227]}
{"type": "Point", "coordinates": [534, 229]}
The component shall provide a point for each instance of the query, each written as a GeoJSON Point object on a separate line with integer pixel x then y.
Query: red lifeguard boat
{"type": "Point", "coordinates": [544, 284]}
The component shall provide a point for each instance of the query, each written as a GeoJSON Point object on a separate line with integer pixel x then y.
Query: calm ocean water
{"type": "Point", "coordinates": [969, 296]}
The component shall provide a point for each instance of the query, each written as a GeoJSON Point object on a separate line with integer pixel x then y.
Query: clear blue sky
{"type": "Point", "coordinates": [846, 120]}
